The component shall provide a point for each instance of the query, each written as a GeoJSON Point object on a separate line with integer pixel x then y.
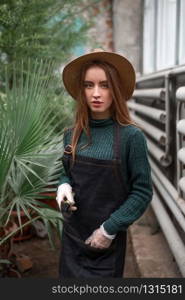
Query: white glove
{"type": "Point", "coordinates": [105, 233]}
{"type": "Point", "coordinates": [100, 238]}
{"type": "Point", "coordinates": [65, 191]}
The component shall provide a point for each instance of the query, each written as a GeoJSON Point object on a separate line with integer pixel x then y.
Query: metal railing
{"type": "Point", "coordinates": [158, 108]}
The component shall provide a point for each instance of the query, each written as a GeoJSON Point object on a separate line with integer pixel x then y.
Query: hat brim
{"type": "Point", "coordinates": [125, 69]}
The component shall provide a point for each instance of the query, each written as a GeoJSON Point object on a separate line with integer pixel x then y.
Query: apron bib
{"type": "Point", "coordinates": [99, 190]}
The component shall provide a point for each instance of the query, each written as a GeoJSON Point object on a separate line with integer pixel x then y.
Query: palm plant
{"type": "Point", "coordinates": [30, 149]}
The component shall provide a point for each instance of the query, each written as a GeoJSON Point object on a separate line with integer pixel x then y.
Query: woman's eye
{"type": "Point", "coordinates": [105, 85]}
{"type": "Point", "coordinates": [87, 85]}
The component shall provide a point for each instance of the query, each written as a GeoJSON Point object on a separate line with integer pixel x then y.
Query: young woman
{"type": "Point", "coordinates": [106, 177]}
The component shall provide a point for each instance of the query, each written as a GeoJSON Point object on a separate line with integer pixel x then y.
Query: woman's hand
{"type": "Point", "coordinates": [98, 240]}
{"type": "Point", "coordinates": [65, 192]}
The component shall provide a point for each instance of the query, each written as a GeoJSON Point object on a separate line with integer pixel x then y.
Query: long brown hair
{"type": "Point", "coordinates": [119, 109]}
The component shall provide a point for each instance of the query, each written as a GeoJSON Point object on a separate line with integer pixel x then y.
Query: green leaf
{"type": "Point", "coordinates": [29, 147]}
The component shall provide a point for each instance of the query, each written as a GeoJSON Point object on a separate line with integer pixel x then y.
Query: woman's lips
{"type": "Point", "coordinates": [97, 103]}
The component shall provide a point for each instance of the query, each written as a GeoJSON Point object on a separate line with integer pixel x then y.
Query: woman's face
{"type": "Point", "coordinates": [97, 93]}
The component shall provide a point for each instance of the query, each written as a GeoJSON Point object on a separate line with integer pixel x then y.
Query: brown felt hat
{"type": "Point", "coordinates": [71, 72]}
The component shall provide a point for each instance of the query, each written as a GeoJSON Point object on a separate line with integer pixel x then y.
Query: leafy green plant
{"type": "Point", "coordinates": [42, 29]}
{"type": "Point", "coordinates": [30, 148]}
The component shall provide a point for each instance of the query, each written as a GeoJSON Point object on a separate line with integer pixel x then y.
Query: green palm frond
{"type": "Point", "coordinates": [30, 148]}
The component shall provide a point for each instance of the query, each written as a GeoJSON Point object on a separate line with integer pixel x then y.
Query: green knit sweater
{"type": "Point", "coordinates": [134, 158]}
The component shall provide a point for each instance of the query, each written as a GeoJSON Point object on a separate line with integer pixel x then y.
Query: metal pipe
{"type": "Point", "coordinates": [178, 146]}
{"type": "Point", "coordinates": [177, 70]}
{"type": "Point", "coordinates": [168, 186]}
{"type": "Point", "coordinates": [168, 114]}
{"type": "Point", "coordinates": [181, 155]}
{"type": "Point", "coordinates": [169, 201]}
{"type": "Point", "coordinates": [159, 154]}
{"type": "Point", "coordinates": [158, 93]}
{"type": "Point", "coordinates": [179, 143]}
{"type": "Point", "coordinates": [180, 93]}
{"type": "Point", "coordinates": [182, 184]}
{"type": "Point", "coordinates": [151, 130]}
{"type": "Point", "coordinates": [181, 126]}
{"type": "Point", "coordinates": [172, 236]}
{"type": "Point", "coordinates": [159, 74]}
{"type": "Point", "coordinates": [154, 113]}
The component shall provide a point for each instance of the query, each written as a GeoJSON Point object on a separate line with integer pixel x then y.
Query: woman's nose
{"type": "Point", "coordinates": [96, 91]}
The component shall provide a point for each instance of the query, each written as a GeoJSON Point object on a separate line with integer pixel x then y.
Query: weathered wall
{"type": "Point", "coordinates": [127, 29]}
{"type": "Point", "coordinates": [102, 33]}
{"type": "Point", "coordinates": [118, 27]}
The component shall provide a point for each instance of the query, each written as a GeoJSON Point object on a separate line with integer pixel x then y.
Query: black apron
{"type": "Point", "coordinates": [99, 190]}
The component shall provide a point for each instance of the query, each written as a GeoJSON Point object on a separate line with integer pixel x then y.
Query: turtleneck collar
{"type": "Point", "coordinates": [100, 122]}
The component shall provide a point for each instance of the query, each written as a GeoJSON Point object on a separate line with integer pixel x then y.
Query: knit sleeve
{"type": "Point", "coordinates": [63, 177]}
{"type": "Point", "coordinates": [140, 186]}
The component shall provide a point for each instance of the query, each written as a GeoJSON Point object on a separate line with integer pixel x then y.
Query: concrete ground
{"type": "Point", "coordinates": [151, 251]}
{"type": "Point", "coordinates": [152, 254]}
